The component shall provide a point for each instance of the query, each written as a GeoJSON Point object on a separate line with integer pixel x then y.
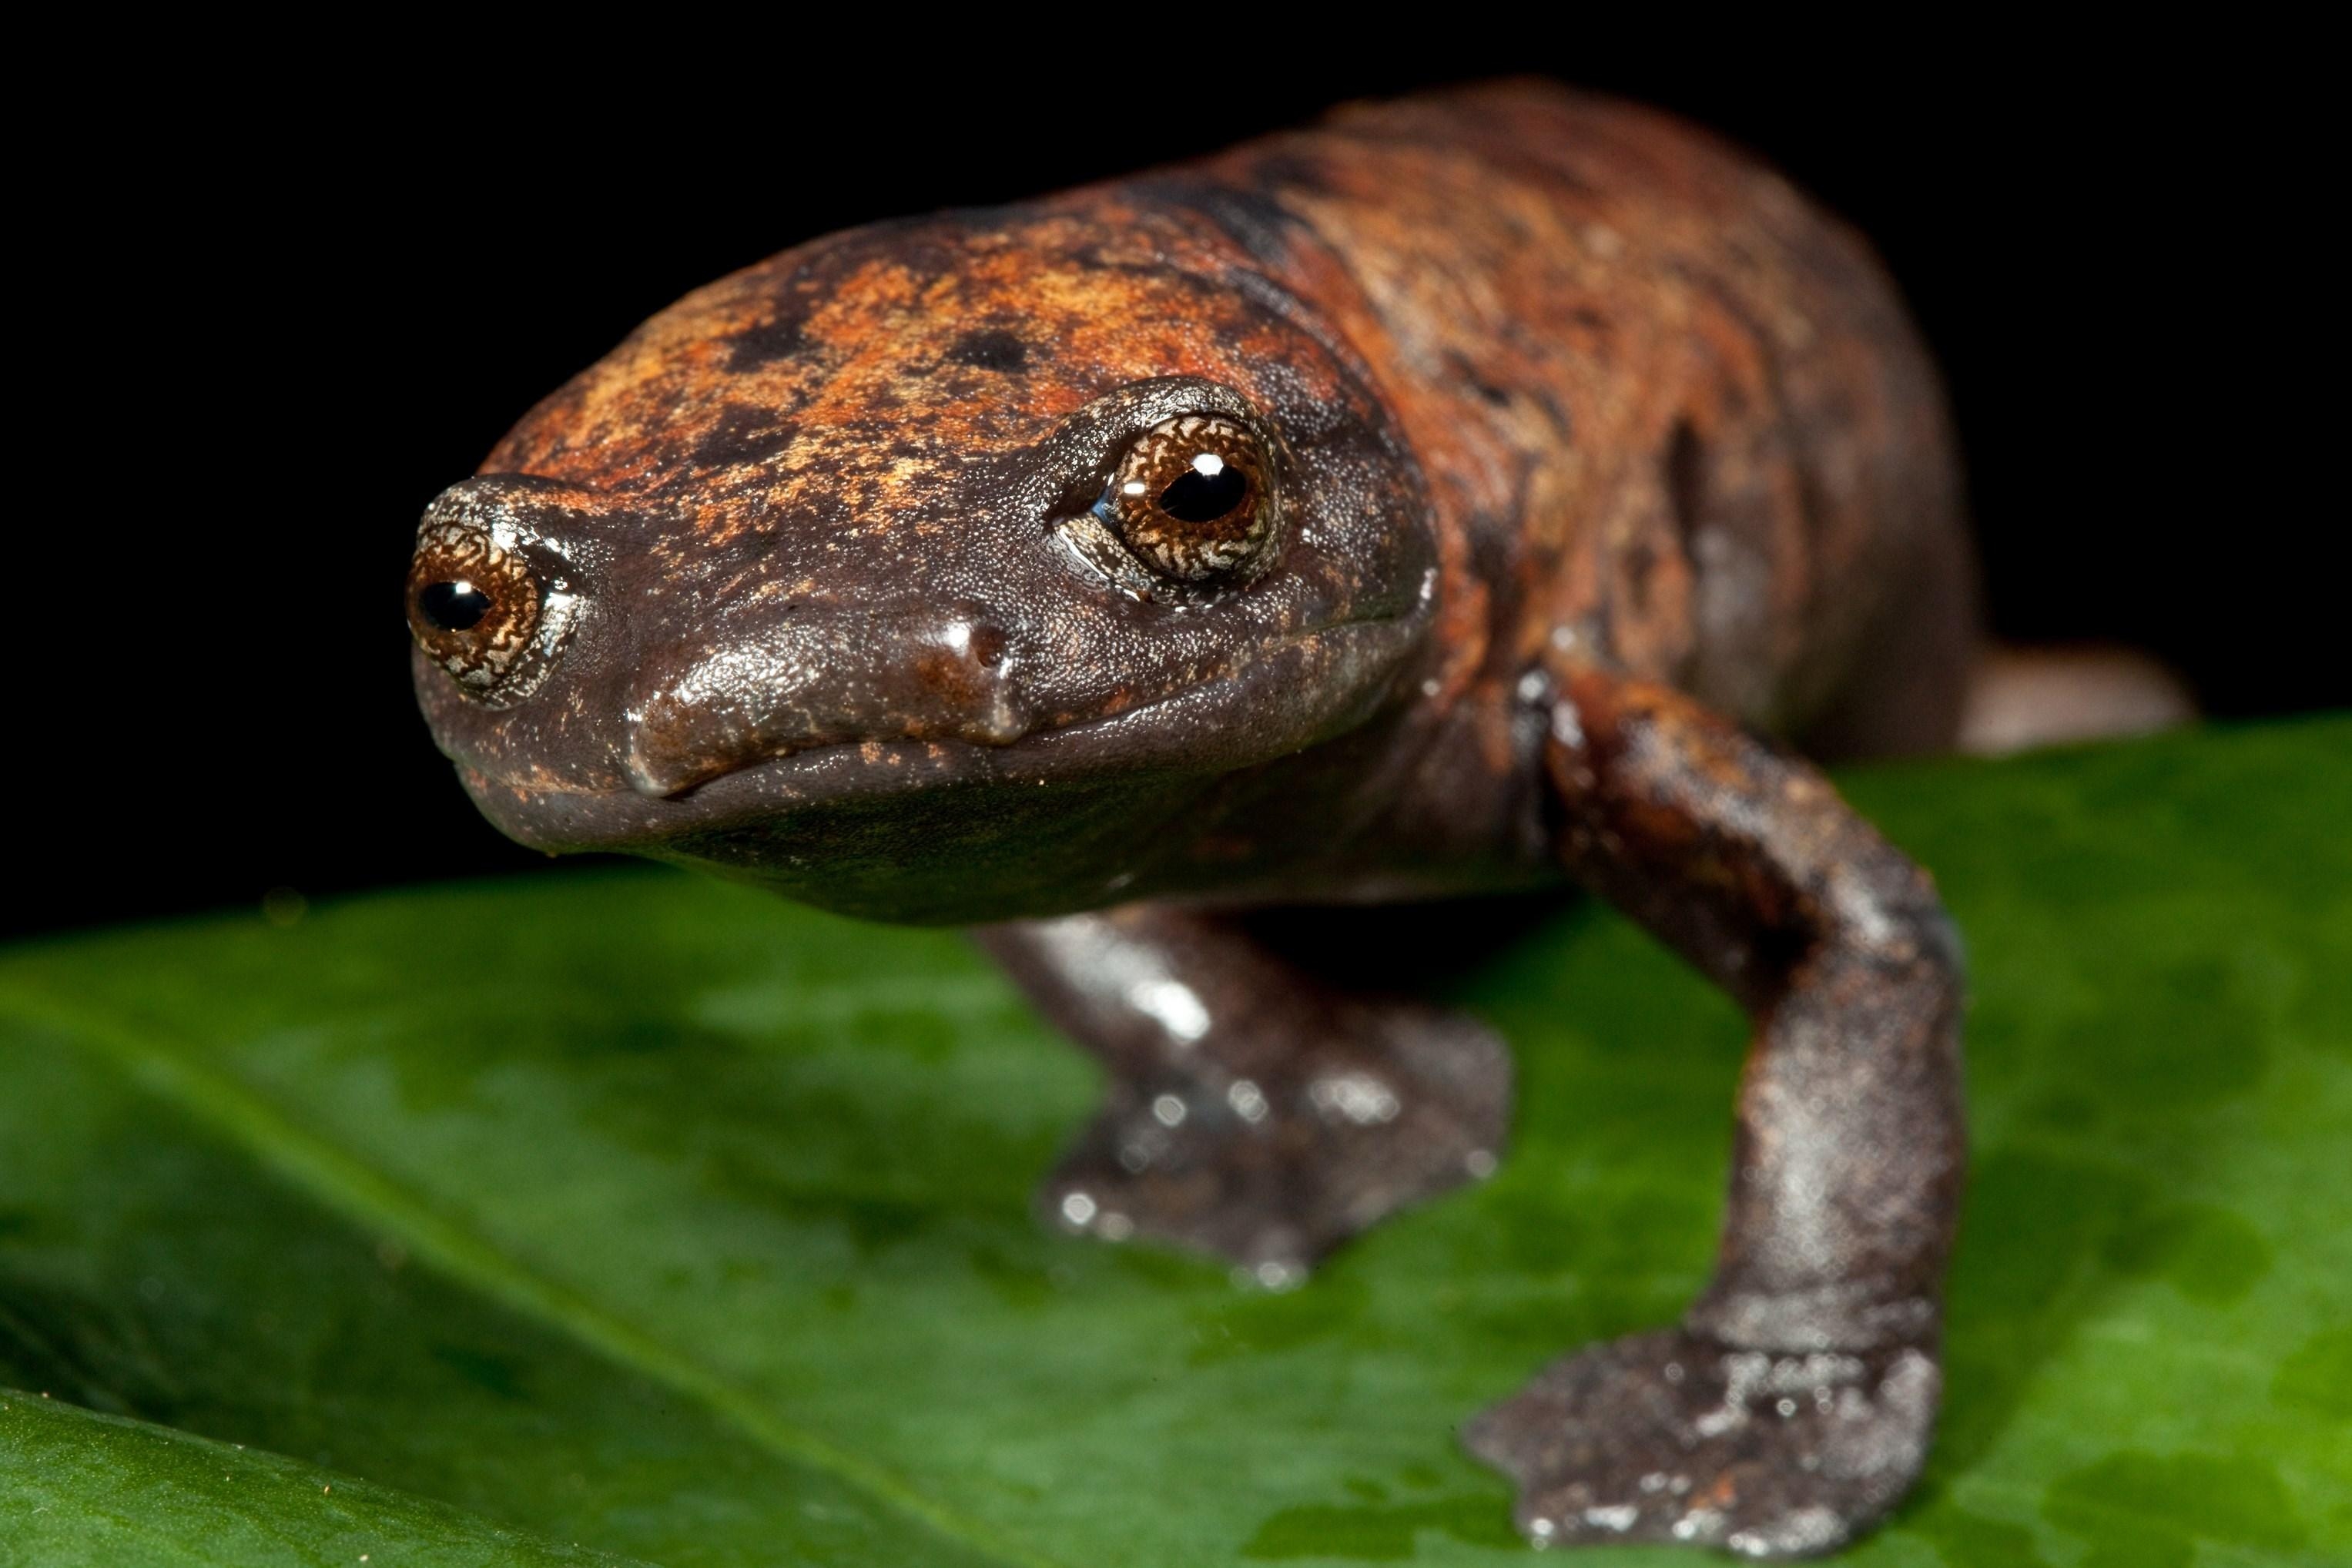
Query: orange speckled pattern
{"type": "Point", "coordinates": [1653, 395]}
{"type": "Point", "coordinates": [850, 379]}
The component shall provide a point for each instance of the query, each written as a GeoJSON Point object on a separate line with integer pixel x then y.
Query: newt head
{"type": "Point", "coordinates": [927, 572]}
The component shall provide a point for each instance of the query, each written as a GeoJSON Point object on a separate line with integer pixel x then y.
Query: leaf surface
{"type": "Point", "coordinates": [82, 1489]}
{"type": "Point", "coordinates": [629, 1209]}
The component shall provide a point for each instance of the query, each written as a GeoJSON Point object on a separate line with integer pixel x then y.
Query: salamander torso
{"type": "Point", "coordinates": [1442, 499]}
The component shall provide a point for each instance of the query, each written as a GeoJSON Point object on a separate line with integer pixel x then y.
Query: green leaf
{"type": "Point", "coordinates": [99, 1489]}
{"type": "Point", "coordinates": [636, 1211]}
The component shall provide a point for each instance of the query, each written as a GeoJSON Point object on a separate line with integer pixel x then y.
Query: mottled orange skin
{"type": "Point", "coordinates": [832, 387]}
{"type": "Point", "coordinates": [1654, 395]}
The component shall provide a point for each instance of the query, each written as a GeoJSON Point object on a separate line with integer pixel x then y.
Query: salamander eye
{"type": "Point", "coordinates": [473, 608]}
{"type": "Point", "coordinates": [1193, 497]}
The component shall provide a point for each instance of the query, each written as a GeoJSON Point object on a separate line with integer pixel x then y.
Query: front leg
{"type": "Point", "coordinates": [1792, 1407]}
{"type": "Point", "coordinates": [1253, 1112]}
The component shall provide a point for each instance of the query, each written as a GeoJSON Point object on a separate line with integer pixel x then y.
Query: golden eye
{"type": "Point", "coordinates": [473, 608]}
{"type": "Point", "coordinates": [1193, 497]}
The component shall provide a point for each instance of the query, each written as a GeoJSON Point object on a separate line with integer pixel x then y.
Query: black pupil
{"type": "Point", "coordinates": [1196, 496]}
{"type": "Point", "coordinates": [453, 606]}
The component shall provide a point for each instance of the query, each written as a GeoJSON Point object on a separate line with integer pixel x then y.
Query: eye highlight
{"type": "Point", "coordinates": [473, 608]}
{"type": "Point", "coordinates": [1193, 497]}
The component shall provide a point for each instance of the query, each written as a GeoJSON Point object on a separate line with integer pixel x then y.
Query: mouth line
{"type": "Point", "coordinates": [777, 761]}
{"type": "Point", "coordinates": [812, 759]}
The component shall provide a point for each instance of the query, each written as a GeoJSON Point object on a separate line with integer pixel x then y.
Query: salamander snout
{"type": "Point", "coordinates": [821, 675]}
{"type": "Point", "coordinates": [559, 661]}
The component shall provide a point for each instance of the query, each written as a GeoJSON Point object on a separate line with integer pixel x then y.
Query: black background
{"type": "Point", "coordinates": [271, 310]}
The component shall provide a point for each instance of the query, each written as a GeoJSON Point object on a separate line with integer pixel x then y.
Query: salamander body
{"type": "Point", "coordinates": [1451, 497]}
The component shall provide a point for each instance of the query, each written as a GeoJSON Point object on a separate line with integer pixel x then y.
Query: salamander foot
{"type": "Point", "coordinates": [1272, 1168]}
{"type": "Point", "coordinates": [1673, 1437]}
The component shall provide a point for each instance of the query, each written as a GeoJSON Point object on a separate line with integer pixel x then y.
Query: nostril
{"type": "Point", "coordinates": [677, 743]}
{"type": "Point", "coordinates": [987, 643]}
{"type": "Point", "coordinates": [972, 695]}
{"type": "Point", "coordinates": [953, 648]}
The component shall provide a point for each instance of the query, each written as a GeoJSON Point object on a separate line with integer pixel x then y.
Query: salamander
{"type": "Point", "coordinates": [1487, 491]}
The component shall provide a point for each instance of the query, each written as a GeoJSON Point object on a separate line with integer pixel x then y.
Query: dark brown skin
{"type": "Point", "coordinates": [1442, 500]}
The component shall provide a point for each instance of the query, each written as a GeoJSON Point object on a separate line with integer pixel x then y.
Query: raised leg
{"type": "Point", "coordinates": [1791, 1408]}
{"type": "Point", "coordinates": [1253, 1112]}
